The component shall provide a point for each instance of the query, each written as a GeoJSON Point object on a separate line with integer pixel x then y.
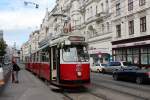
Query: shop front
{"type": "Point", "coordinates": [134, 50]}
{"type": "Point", "coordinates": [99, 55]}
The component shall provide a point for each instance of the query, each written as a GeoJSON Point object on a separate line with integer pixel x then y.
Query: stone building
{"type": "Point", "coordinates": [115, 29]}
{"type": "Point", "coordinates": [131, 31]}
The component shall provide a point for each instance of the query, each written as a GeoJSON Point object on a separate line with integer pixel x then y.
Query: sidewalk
{"type": "Point", "coordinates": [29, 88]}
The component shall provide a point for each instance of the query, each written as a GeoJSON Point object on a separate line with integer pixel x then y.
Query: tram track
{"type": "Point", "coordinates": [66, 96]}
{"type": "Point", "coordinates": [102, 86]}
{"type": "Point", "coordinates": [139, 87]}
{"type": "Point", "coordinates": [60, 91]}
{"type": "Point", "coordinates": [98, 95]}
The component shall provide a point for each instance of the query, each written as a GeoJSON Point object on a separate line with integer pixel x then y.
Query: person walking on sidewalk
{"type": "Point", "coordinates": [15, 72]}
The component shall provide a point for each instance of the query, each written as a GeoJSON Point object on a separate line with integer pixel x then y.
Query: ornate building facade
{"type": "Point", "coordinates": [131, 31]}
{"type": "Point", "coordinates": [115, 29]}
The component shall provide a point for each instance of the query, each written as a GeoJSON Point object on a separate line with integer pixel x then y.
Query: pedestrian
{"type": "Point", "coordinates": [15, 72]}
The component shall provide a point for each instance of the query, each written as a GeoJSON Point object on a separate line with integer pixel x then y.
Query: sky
{"type": "Point", "coordinates": [18, 20]}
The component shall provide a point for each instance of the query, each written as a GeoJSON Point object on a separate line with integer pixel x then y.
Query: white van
{"type": "Point", "coordinates": [98, 67]}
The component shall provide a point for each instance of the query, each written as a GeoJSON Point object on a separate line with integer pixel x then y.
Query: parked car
{"type": "Point", "coordinates": [1, 75]}
{"type": "Point", "coordinates": [98, 67]}
{"type": "Point", "coordinates": [116, 65]}
{"type": "Point", "coordinates": [132, 74]}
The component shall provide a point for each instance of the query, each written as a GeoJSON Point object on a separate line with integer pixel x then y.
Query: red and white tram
{"type": "Point", "coordinates": [64, 62]}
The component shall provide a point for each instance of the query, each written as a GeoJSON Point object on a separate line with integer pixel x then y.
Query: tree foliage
{"type": "Point", "coordinates": [3, 46]}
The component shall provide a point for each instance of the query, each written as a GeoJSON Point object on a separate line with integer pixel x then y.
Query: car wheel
{"type": "Point", "coordinates": [98, 71]}
{"type": "Point", "coordinates": [103, 71]}
{"type": "Point", "coordinates": [139, 80]}
{"type": "Point", "coordinates": [115, 77]}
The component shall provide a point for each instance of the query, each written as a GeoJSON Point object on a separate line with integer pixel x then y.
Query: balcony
{"type": "Point", "coordinates": [82, 9]}
{"type": "Point", "coordinates": [66, 8]}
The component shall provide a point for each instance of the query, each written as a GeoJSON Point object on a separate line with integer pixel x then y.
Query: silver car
{"type": "Point", "coordinates": [98, 67]}
{"type": "Point", "coordinates": [115, 65]}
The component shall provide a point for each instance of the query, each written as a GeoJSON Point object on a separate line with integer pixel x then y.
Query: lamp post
{"type": "Point", "coordinates": [21, 54]}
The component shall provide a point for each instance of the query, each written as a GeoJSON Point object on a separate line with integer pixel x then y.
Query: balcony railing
{"type": "Point", "coordinates": [99, 34]}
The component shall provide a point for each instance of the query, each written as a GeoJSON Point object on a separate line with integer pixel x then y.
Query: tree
{"type": "Point", "coordinates": [3, 46]}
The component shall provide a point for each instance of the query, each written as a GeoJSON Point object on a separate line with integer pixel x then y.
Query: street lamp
{"type": "Point", "coordinates": [22, 54]}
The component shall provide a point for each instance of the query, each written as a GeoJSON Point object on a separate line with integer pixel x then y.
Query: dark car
{"type": "Point", "coordinates": [132, 74]}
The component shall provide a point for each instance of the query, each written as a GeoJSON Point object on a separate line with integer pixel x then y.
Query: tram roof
{"type": "Point", "coordinates": [65, 38]}
{"type": "Point", "coordinates": [60, 39]}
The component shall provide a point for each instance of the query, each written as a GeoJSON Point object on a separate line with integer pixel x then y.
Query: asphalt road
{"type": "Point", "coordinates": [102, 87]}
{"type": "Point", "coordinates": [118, 90]}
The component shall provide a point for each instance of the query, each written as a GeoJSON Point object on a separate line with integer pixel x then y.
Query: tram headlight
{"type": "Point", "coordinates": [78, 70]}
{"type": "Point", "coordinates": [79, 74]}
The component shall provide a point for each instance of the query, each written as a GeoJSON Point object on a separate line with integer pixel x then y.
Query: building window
{"type": "Point", "coordinates": [130, 5]}
{"type": "Point", "coordinates": [119, 55]}
{"type": "Point", "coordinates": [135, 54]}
{"type": "Point", "coordinates": [118, 9]}
{"type": "Point", "coordinates": [96, 9]}
{"type": "Point", "coordinates": [91, 11]}
{"type": "Point", "coordinates": [103, 28]}
{"type": "Point", "coordinates": [142, 2]}
{"type": "Point", "coordinates": [131, 27]}
{"type": "Point", "coordinates": [144, 56]}
{"type": "Point", "coordinates": [108, 27]}
{"type": "Point", "coordinates": [102, 7]}
{"type": "Point", "coordinates": [118, 30]}
{"type": "Point", "coordinates": [129, 55]}
{"type": "Point", "coordinates": [143, 24]}
{"type": "Point", "coordinates": [107, 6]}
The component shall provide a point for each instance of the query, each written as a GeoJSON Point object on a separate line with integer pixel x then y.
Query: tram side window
{"type": "Point", "coordinates": [44, 57]}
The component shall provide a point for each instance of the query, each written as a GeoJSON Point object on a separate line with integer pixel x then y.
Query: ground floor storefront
{"type": "Point", "coordinates": [100, 52]}
{"type": "Point", "coordinates": [134, 50]}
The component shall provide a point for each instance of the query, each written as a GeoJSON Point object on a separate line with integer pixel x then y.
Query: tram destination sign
{"type": "Point", "coordinates": [76, 38]}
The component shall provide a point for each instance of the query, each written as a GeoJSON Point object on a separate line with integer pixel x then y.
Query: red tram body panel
{"type": "Point", "coordinates": [33, 68]}
{"type": "Point", "coordinates": [69, 72]}
{"type": "Point", "coordinates": [37, 68]}
{"type": "Point", "coordinates": [45, 71]}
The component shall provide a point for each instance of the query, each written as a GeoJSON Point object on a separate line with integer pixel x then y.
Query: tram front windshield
{"type": "Point", "coordinates": [75, 54]}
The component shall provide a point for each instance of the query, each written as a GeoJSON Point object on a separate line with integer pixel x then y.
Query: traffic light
{"type": "Point", "coordinates": [36, 6]}
{"type": "Point", "coordinates": [32, 3]}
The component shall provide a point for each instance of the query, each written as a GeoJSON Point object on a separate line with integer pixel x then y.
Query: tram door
{"type": "Point", "coordinates": [54, 62]}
